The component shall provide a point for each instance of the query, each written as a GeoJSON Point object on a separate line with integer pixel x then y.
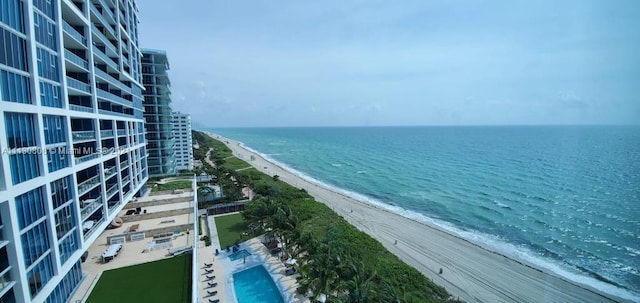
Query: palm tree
{"type": "Point", "coordinates": [358, 286]}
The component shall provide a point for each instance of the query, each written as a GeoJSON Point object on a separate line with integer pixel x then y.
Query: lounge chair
{"type": "Point", "coordinates": [210, 277]}
{"type": "Point", "coordinates": [212, 293]}
{"type": "Point", "coordinates": [212, 284]}
{"type": "Point", "coordinates": [208, 270]}
{"type": "Point", "coordinates": [214, 301]}
{"type": "Point", "coordinates": [208, 264]}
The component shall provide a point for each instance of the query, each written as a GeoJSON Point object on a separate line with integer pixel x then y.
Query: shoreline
{"type": "Point", "coordinates": [471, 272]}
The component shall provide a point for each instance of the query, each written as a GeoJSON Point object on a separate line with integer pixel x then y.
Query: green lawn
{"type": "Point", "coordinates": [164, 281]}
{"type": "Point", "coordinates": [230, 229]}
{"type": "Point", "coordinates": [173, 185]}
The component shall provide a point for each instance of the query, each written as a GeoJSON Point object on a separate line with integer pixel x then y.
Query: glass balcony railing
{"type": "Point", "coordinates": [105, 58]}
{"type": "Point", "coordinates": [111, 79]}
{"type": "Point", "coordinates": [80, 108]}
{"type": "Point", "coordinates": [103, 20]}
{"type": "Point", "coordinates": [123, 164]}
{"type": "Point", "coordinates": [79, 85]}
{"type": "Point", "coordinates": [76, 59]}
{"type": "Point", "coordinates": [109, 172]}
{"type": "Point", "coordinates": [121, 132]}
{"type": "Point", "coordinates": [125, 180]}
{"type": "Point", "coordinates": [106, 133]}
{"type": "Point", "coordinates": [73, 33]}
{"type": "Point", "coordinates": [91, 228]}
{"type": "Point", "coordinates": [104, 39]}
{"type": "Point", "coordinates": [113, 189]}
{"type": "Point", "coordinates": [83, 135]}
{"type": "Point", "coordinates": [114, 98]}
{"type": "Point", "coordinates": [86, 158]}
{"type": "Point", "coordinates": [5, 278]}
{"type": "Point", "coordinates": [89, 206]}
{"type": "Point", "coordinates": [87, 185]}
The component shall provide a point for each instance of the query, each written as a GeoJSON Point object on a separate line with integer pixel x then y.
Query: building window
{"type": "Point", "coordinates": [68, 246]}
{"type": "Point", "coordinates": [48, 7]}
{"type": "Point", "coordinates": [14, 87]}
{"type": "Point", "coordinates": [61, 192]}
{"type": "Point", "coordinates": [35, 243]}
{"type": "Point", "coordinates": [50, 95]}
{"type": "Point", "coordinates": [13, 50]}
{"type": "Point", "coordinates": [54, 129]}
{"type": "Point", "coordinates": [40, 275]}
{"type": "Point", "coordinates": [30, 207]}
{"type": "Point", "coordinates": [44, 31]}
{"type": "Point", "coordinates": [63, 291]}
{"type": "Point", "coordinates": [11, 13]}
{"type": "Point", "coordinates": [47, 65]}
{"type": "Point", "coordinates": [20, 129]}
{"type": "Point", "coordinates": [57, 158]}
{"type": "Point", "coordinates": [65, 218]}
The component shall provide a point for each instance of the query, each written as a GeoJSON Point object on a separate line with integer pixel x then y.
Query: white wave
{"type": "Point", "coordinates": [336, 164]}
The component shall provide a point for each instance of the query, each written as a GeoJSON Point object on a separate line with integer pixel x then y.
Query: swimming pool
{"type": "Point", "coordinates": [239, 255]}
{"type": "Point", "coordinates": [255, 285]}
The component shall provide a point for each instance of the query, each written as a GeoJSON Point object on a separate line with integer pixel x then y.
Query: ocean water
{"type": "Point", "coordinates": [564, 198]}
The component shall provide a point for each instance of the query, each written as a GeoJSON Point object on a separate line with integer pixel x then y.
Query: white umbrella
{"type": "Point", "coordinates": [291, 262]}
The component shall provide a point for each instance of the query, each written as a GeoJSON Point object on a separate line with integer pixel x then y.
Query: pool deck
{"type": "Point", "coordinates": [225, 268]}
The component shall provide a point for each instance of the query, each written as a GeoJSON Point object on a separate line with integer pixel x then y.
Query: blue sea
{"type": "Point", "coordinates": [564, 198]}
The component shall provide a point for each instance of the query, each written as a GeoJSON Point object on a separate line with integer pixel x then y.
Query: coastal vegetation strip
{"type": "Point", "coordinates": [336, 259]}
{"type": "Point", "coordinates": [167, 280]}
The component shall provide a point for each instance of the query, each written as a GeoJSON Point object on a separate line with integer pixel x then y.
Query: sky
{"type": "Point", "coordinates": [261, 63]}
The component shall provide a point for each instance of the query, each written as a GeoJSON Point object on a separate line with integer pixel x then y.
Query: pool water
{"type": "Point", "coordinates": [255, 285]}
{"type": "Point", "coordinates": [239, 255]}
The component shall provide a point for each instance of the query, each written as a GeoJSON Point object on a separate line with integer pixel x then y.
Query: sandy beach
{"type": "Point", "coordinates": [470, 272]}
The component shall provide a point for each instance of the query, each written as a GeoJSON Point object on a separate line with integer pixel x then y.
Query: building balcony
{"type": "Point", "coordinates": [103, 20]}
{"type": "Point", "coordinates": [126, 180]}
{"type": "Point", "coordinates": [107, 60]}
{"type": "Point", "coordinates": [121, 132]}
{"type": "Point", "coordinates": [5, 279]}
{"type": "Point", "coordinates": [108, 44]}
{"type": "Point", "coordinates": [88, 184]}
{"type": "Point", "coordinates": [109, 172]}
{"type": "Point", "coordinates": [85, 135]}
{"type": "Point", "coordinates": [90, 226]}
{"type": "Point", "coordinates": [75, 59]}
{"type": "Point", "coordinates": [89, 206]}
{"type": "Point", "coordinates": [123, 164]}
{"type": "Point", "coordinates": [113, 98]}
{"type": "Point", "coordinates": [86, 158]}
{"type": "Point", "coordinates": [73, 33]}
{"type": "Point", "coordinates": [106, 134]}
{"type": "Point", "coordinates": [78, 85]}
{"type": "Point", "coordinates": [112, 190]}
{"type": "Point", "coordinates": [113, 81]}
{"type": "Point", "coordinates": [80, 108]}
{"type": "Point", "coordinates": [112, 113]}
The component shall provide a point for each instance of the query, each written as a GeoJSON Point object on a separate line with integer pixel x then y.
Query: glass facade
{"type": "Point", "coordinates": [54, 129]}
{"type": "Point", "coordinates": [42, 43]}
{"type": "Point", "coordinates": [40, 274]}
{"type": "Point", "coordinates": [13, 50]}
{"type": "Point", "coordinates": [45, 31]}
{"type": "Point", "coordinates": [68, 284]}
{"type": "Point", "coordinates": [50, 95]}
{"type": "Point", "coordinates": [47, 64]}
{"type": "Point", "coordinates": [11, 14]}
{"type": "Point", "coordinates": [20, 132]}
{"type": "Point", "coordinates": [15, 87]}
{"type": "Point", "coordinates": [30, 207]}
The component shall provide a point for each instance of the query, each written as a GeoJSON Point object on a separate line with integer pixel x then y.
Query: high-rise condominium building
{"type": "Point", "coordinates": [71, 136]}
{"type": "Point", "coordinates": [157, 112]}
{"type": "Point", "coordinates": [182, 136]}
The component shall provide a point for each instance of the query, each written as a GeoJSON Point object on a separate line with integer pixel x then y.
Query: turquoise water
{"type": "Point", "coordinates": [239, 255]}
{"type": "Point", "coordinates": [564, 198]}
{"type": "Point", "coordinates": [255, 285]}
